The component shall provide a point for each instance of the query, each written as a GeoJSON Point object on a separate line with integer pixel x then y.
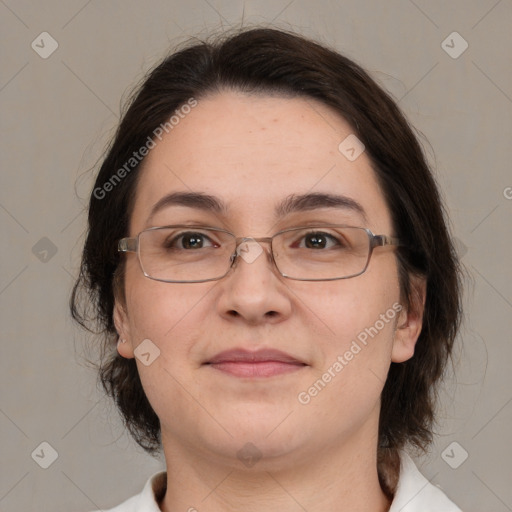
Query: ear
{"type": "Point", "coordinates": [409, 323]}
{"type": "Point", "coordinates": [124, 346]}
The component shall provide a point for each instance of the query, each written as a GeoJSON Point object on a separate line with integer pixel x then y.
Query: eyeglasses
{"type": "Point", "coordinates": [195, 254]}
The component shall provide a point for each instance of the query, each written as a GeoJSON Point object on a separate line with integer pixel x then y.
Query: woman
{"type": "Point", "coordinates": [273, 274]}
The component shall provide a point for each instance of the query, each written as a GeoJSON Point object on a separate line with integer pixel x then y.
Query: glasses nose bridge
{"type": "Point", "coordinates": [249, 239]}
{"type": "Point", "coordinates": [264, 239]}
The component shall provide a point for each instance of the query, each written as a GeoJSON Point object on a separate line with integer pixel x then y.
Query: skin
{"type": "Point", "coordinates": [252, 152]}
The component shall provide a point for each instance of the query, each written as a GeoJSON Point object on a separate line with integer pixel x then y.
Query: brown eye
{"type": "Point", "coordinates": [319, 240]}
{"type": "Point", "coordinates": [190, 240]}
{"type": "Point", "coordinates": [193, 241]}
{"type": "Point", "coordinates": [316, 241]}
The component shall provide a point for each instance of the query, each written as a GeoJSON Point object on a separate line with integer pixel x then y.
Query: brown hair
{"type": "Point", "coordinates": [270, 61]}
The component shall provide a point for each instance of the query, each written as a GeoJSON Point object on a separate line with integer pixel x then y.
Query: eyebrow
{"type": "Point", "coordinates": [313, 201]}
{"type": "Point", "coordinates": [196, 200]}
{"type": "Point", "coordinates": [291, 204]}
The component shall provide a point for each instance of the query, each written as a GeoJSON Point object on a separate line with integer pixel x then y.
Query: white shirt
{"type": "Point", "coordinates": [414, 493]}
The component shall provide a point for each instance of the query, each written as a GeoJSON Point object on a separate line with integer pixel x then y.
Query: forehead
{"type": "Point", "coordinates": [253, 151]}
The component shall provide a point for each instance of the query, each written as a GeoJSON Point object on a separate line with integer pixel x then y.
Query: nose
{"type": "Point", "coordinates": [254, 291]}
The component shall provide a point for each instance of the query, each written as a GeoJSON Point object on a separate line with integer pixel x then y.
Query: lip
{"type": "Point", "coordinates": [259, 363]}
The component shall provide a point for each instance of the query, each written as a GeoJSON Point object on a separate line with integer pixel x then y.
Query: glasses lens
{"type": "Point", "coordinates": [322, 252]}
{"type": "Point", "coordinates": [185, 253]}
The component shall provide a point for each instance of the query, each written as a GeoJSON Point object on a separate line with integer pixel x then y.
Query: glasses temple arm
{"type": "Point", "coordinates": [127, 245]}
{"type": "Point", "coordinates": [381, 240]}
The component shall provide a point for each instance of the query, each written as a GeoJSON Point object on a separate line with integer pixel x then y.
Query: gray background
{"type": "Point", "coordinates": [58, 113]}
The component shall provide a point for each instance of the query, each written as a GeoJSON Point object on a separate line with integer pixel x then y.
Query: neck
{"type": "Point", "coordinates": [337, 480]}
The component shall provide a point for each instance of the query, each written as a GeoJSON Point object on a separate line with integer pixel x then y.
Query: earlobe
{"type": "Point", "coordinates": [124, 345]}
{"type": "Point", "coordinates": [409, 323]}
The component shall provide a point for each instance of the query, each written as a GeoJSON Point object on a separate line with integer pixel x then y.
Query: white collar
{"type": "Point", "coordinates": [414, 493]}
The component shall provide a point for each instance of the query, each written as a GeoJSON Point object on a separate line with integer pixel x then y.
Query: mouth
{"type": "Point", "coordinates": [260, 363]}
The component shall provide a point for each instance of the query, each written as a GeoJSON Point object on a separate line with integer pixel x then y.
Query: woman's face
{"type": "Point", "coordinates": [252, 153]}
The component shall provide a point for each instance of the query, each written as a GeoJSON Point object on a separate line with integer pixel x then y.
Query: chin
{"type": "Point", "coordinates": [253, 451]}
{"type": "Point", "coordinates": [270, 434]}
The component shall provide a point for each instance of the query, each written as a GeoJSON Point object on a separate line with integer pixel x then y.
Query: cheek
{"type": "Point", "coordinates": [356, 319]}
{"type": "Point", "coordinates": [355, 357]}
{"type": "Point", "coordinates": [340, 310]}
{"type": "Point", "coordinates": [156, 308]}
{"type": "Point", "coordinates": [169, 315]}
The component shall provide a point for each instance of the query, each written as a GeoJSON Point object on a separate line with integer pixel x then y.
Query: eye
{"type": "Point", "coordinates": [190, 240]}
{"type": "Point", "coordinates": [319, 240]}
